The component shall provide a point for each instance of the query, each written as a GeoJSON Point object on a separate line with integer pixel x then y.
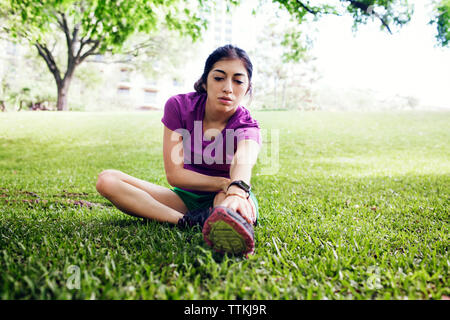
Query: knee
{"type": "Point", "coordinates": [105, 181]}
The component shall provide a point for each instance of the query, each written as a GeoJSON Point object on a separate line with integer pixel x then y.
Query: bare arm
{"type": "Point", "coordinates": [243, 161]}
{"type": "Point", "coordinates": [179, 177]}
{"type": "Point", "coordinates": [241, 169]}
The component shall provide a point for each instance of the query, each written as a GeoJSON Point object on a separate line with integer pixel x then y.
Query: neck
{"type": "Point", "coordinates": [213, 116]}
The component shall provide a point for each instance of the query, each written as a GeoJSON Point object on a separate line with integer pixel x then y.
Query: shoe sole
{"type": "Point", "coordinates": [225, 233]}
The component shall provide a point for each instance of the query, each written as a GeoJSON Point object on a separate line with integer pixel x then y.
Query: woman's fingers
{"type": "Point", "coordinates": [242, 206]}
{"type": "Point", "coordinates": [246, 210]}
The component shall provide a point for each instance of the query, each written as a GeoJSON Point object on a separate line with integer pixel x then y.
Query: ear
{"type": "Point", "coordinates": [204, 86]}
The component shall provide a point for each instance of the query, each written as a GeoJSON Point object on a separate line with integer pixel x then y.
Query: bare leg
{"type": "Point", "coordinates": [140, 198]}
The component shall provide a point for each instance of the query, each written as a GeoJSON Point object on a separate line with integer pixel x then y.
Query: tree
{"type": "Point", "coordinates": [90, 27]}
{"type": "Point", "coordinates": [283, 75]}
{"type": "Point", "coordinates": [161, 60]}
{"type": "Point", "coordinates": [442, 21]}
{"type": "Point", "coordinates": [389, 13]}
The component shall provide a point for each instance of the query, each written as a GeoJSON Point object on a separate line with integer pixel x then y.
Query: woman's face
{"type": "Point", "coordinates": [227, 84]}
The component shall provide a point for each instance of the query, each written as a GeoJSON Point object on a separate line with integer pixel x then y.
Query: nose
{"type": "Point", "coordinates": [227, 87]}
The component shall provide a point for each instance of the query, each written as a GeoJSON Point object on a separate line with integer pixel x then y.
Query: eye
{"type": "Point", "coordinates": [218, 78]}
{"type": "Point", "coordinates": [239, 81]}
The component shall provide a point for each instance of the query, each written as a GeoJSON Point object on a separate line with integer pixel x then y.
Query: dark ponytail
{"type": "Point", "coordinates": [198, 86]}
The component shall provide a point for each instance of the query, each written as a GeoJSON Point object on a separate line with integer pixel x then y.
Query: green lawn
{"type": "Point", "coordinates": [359, 209]}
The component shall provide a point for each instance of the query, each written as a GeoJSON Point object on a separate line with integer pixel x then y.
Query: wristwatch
{"type": "Point", "coordinates": [241, 184]}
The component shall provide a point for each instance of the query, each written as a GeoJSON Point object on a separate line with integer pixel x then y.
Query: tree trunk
{"type": "Point", "coordinates": [74, 58]}
{"type": "Point", "coordinates": [63, 93]}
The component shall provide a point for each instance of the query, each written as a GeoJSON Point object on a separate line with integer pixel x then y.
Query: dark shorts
{"type": "Point", "coordinates": [194, 201]}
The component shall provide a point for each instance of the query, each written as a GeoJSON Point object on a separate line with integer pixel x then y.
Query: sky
{"type": "Point", "coordinates": [407, 63]}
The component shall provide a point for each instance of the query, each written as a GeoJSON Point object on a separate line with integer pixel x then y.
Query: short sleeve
{"type": "Point", "coordinates": [252, 133]}
{"type": "Point", "coordinates": [172, 115]}
{"type": "Point", "coordinates": [246, 127]}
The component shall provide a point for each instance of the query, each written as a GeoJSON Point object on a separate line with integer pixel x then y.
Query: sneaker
{"type": "Point", "coordinates": [226, 231]}
{"type": "Point", "coordinates": [195, 217]}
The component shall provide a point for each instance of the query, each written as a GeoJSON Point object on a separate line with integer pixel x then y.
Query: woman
{"type": "Point", "coordinates": [210, 146]}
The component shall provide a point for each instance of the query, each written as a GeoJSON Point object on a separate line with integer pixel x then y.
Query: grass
{"type": "Point", "coordinates": [359, 209]}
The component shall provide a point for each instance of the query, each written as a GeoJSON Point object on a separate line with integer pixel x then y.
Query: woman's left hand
{"type": "Point", "coordinates": [240, 205]}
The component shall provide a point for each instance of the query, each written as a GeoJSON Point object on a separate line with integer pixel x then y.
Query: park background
{"type": "Point", "coordinates": [353, 189]}
{"type": "Point", "coordinates": [367, 69]}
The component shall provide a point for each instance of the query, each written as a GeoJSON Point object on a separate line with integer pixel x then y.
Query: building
{"type": "Point", "coordinates": [148, 94]}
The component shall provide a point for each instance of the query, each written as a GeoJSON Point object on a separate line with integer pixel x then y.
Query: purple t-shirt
{"type": "Point", "coordinates": [184, 114]}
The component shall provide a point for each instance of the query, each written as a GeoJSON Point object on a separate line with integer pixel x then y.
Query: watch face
{"type": "Point", "coordinates": [244, 185]}
{"type": "Point", "coordinates": [241, 184]}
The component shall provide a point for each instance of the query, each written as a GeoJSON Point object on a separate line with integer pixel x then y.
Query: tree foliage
{"type": "Point", "coordinates": [105, 24]}
{"type": "Point", "coordinates": [442, 21]}
{"type": "Point", "coordinates": [397, 12]}
{"type": "Point", "coordinates": [283, 74]}
{"type": "Point", "coordinates": [389, 13]}
{"type": "Point", "coordinates": [91, 27]}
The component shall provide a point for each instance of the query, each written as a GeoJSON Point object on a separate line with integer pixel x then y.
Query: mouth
{"type": "Point", "coordinates": [225, 100]}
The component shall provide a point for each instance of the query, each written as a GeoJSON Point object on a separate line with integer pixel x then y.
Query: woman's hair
{"type": "Point", "coordinates": [226, 52]}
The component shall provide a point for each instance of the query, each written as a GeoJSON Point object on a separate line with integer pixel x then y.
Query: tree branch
{"type": "Point", "coordinates": [65, 28]}
{"type": "Point", "coordinates": [49, 60]}
{"type": "Point", "coordinates": [76, 29]}
{"type": "Point", "coordinates": [110, 62]}
{"type": "Point", "coordinates": [80, 49]}
{"type": "Point", "coordinates": [143, 45]}
{"type": "Point", "coordinates": [91, 50]}
{"type": "Point", "coordinates": [304, 6]}
{"type": "Point", "coordinates": [368, 9]}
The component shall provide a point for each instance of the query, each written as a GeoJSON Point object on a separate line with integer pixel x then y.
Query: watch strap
{"type": "Point", "coordinates": [239, 184]}
{"type": "Point", "coordinates": [242, 185]}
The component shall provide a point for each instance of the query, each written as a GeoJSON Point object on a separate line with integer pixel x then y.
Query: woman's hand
{"type": "Point", "coordinates": [240, 205]}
